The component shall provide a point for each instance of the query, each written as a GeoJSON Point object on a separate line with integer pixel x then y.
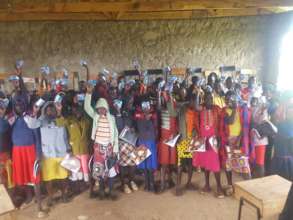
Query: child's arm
{"type": "Point", "coordinates": [87, 105]}
{"type": "Point", "coordinates": [115, 144]}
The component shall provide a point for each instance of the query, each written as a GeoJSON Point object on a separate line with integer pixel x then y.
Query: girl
{"type": "Point", "coordinates": [127, 164]}
{"type": "Point", "coordinates": [5, 145]}
{"type": "Point", "coordinates": [167, 155]}
{"type": "Point", "coordinates": [79, 134]}
{"type": "Point", "coordinates": [26, 152]}
{"type": "Point", "coordinates": [55, 145]}
{"type": "Point", "coordinates": [282, 162]}
{"type": "Point", "coordinates": [188, 120]}
{"type": "Point", "coordinates": [146, 122]}
{"type": "Point", "coordinates": [208, 130]}
{"type": "Point", "coordinates": [258, 144]}
{"type": "Point", "coordinates": [232, 132]}
{"type": "Point", "coordinates": [105, 137]}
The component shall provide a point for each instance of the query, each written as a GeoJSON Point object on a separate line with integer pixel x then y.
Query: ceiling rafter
{"type": "Point", "coordinates": [138, 9]}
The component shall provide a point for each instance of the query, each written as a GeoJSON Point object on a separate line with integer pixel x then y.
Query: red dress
{"type": "Point", "coordinates": [209, 159]}
{"type": "Point", "coordinates": [167, 155]}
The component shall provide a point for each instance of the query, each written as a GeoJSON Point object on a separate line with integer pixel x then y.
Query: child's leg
{"type": "Point", "coordinates": [37, 190]}
{"type": "Point", "coordinates": [132, 170]}
{"type": "Point", "coordinates": [49, 188]}
{"type": "Point", "coordinates": [123, 175]}
{"type": "Point", "coordinates": [207, 187]}
{"type": "Point", "coordinates": [229, 190]}
{"type": "Point", "coordinates": [146, 180]}
{"type": "Point", "coordinates": [260, 152]}
{"type": "Point", "coordinates": [178, 182]}
{"type": "Point", "coordinates": [112, 195]}
{"type": "Point", "coordinates": [163, 177]}
{"type": "Point", "coordinates": [63, 187]}
{"type": "Point", "coordinates": [219, 185]}
{"type": "Point", "coordinates": [229, 177]}
{"type": "Point", "coordinates": [92, 184]}
{"type": "Point", "coordinates": [124, 171]}
{"type": "Point", "coordinates": [170, 182]}
{"type": "Point", "coordinates": [151, 181]}
{"type": "Point", "coordinates": [28, 194]}
{"type": "Point", "coordinates": [189, 173]}
{"type": "Point", "coordinates": [101, 188]}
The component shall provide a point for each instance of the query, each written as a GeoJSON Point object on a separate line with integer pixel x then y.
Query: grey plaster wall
{"type": "Point", "coordinates": [207, 43]}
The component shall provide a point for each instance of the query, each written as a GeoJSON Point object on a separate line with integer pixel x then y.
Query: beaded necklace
{"type": "Point", "coordinates": [208, 118]}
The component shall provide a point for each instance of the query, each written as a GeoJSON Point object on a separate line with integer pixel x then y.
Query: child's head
{"type": "Point", "coordinates": [102, 106]}
{"type": "Point", "coordinates": [229, 82]}
{"type": "Point", "coordinates": [218, 87]}
{"type": "Point", "coordinates": [212, 79]}
{"type": "Point", "coordinates": [230, 99]}
{"type": "Point", "coordinates": [252, 82]}
{"type": "Point", "coordinates": [77, 111]}
{"type": "Point", "coordinates": [19, 107]}
{"type": "Point", "coordinates": [50, 111]}
{"type": "Point", "coordinates": [254, 102]}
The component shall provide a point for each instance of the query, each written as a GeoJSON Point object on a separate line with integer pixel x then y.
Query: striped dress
{"type": "Point", "coordinates": [103, 133]}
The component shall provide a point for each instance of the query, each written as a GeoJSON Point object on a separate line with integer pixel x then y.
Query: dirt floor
{"type": "Point", "coordinates": [147, 206]}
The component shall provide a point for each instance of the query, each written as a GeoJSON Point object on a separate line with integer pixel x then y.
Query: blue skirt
{"type": "Point", "coordinates": [151, 163]}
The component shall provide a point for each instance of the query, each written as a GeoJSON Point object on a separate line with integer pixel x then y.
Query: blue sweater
{"type": "Point", "coordinates": [22, 135]}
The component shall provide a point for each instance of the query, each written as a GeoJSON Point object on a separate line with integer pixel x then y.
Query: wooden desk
{"type": "Point", "coordinates": [268, 194]}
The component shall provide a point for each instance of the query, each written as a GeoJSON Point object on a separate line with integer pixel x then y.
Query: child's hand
{"type": "Point", "coordinates": [89, 88]}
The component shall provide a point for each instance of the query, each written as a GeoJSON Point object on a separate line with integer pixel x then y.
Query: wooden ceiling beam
{"type": "Point", "coordinates": [10, 17]}
{"type": "Point", "coordinates": [167, 15]}
{"type": "Point", "coordinates": [143, 6]}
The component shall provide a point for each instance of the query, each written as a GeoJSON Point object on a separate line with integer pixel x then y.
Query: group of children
{"type": "Point", "coordinates": [178, 127]}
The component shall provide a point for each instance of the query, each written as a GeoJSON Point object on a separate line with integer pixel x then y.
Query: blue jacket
{"type": "Point", "coordinates": [5, 136]}
{"type": "Point", "coordinates": [22, 135]}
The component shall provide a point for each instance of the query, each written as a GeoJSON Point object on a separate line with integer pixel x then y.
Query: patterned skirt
{"type": "Point", "coordinates": [104, 164]}
{"type": "Point", "coordinates": [125, 151]}
{"type": "Point", "coordinates": [232, 161]}
{"type": "Point", "coordinates": [183, 150]}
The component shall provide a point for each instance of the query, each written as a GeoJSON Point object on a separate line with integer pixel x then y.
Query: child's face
{"type": "Point", "coordinates": [51, 112]}
{"type": "Point", "coordinates": [78, 113]}
{"type": "Point", "coordinates": [19, 109]}
{"type": "Point", "coordinates": [102, 111]}
{"type": "Point", "coordinates": [2, 112]}
{"type": "Point", "coordinates": [254, 102]}
{"type": "Point", "coordinates": [230, 101]}
{"type": "Point", "coordinates": [15, 84]}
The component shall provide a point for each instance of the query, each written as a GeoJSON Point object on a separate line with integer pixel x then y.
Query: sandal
{"type": "Point", "coordinates": [133, 186]}
{"type": "Point", "coordinates": [26, 205]}
{"type": "Point", "coordinates": [220, 194]}
{"type": "Point", "coordinates": [127, 190]}
{"type": "Point", "coordinates": [42, 214]}
{"type": "Point", "coordinates": [205, 190]}
{"type": "Point", "coordinates": [229, 190]}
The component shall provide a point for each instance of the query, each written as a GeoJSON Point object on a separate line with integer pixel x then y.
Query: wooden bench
{"type": "Point", "coordinates": [267, 195]}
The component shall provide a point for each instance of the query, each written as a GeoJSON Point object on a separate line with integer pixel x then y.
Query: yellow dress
{"type": "Point", "coordinates": [219, 101]}
{"type": "Point", "coordinates": [235, 128]}
{"type": "Point", "coordinates": [50, 167]}
{"type": "Point", "coordinates": [52, 170]}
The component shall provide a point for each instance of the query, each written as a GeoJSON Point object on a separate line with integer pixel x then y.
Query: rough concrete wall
{"type": "Point", "coordinates": [207, 43]}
